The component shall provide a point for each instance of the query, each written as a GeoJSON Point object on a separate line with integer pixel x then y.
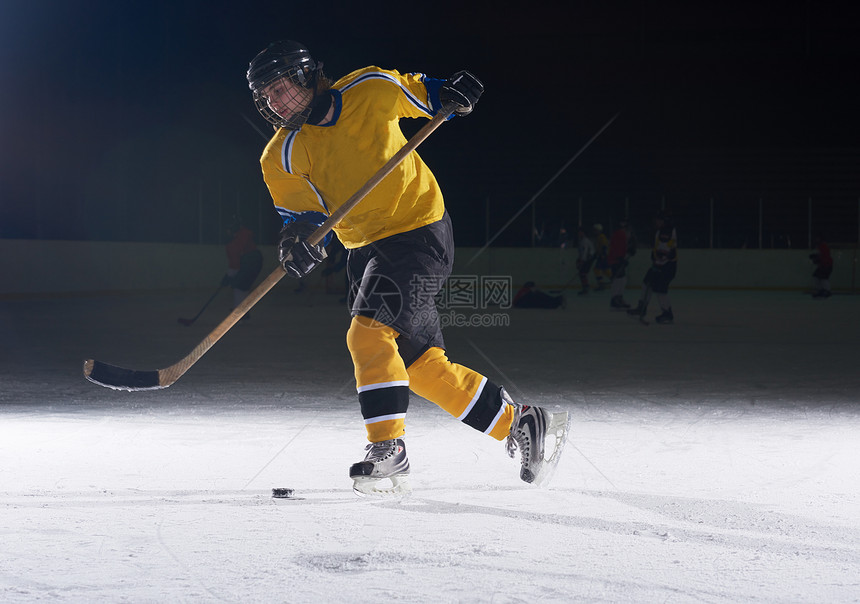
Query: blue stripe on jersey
{"type": "Point", "coordinates": [287, 216]}
{"type": "Point", "coordinates": [287, 164]}
{"type": "Point", "coordinates": [314, 218]}
{"type": "Point", "coordinates": [338, 107]}
{"type": "Point", "coordinates": [376, 75]}
{"type": "Point", "coordinates": [319, 197]}
{"type": "Point", "coordinates": [433, 86]}
{"type": "Point", "coordinates": [287, 152]}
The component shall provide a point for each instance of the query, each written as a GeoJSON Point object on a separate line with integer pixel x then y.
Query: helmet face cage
{"type": "Point", "coordinates": [282, 79]}
{"type": "Point", "coordinates": [283, 102]}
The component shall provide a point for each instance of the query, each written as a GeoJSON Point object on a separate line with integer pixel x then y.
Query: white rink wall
{"type": "Point", "coordinates": [77, 267]}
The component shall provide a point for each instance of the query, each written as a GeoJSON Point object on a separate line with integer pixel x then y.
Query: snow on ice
{"type": "Point", "coordinates": [714, 460]}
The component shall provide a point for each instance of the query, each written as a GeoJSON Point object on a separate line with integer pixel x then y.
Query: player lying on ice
{"type": "Point", "coordinates": [330, 137]}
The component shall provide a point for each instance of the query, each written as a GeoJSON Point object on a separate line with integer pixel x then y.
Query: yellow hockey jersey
{"type": "Point", "coordinates": [317, 168]}
{"type": "Point", "coordinates": [665, 248]}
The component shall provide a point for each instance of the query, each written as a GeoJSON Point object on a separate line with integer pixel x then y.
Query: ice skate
{"type": "Point", "coordinates": [618, 303]}
{"type": "Point", "coordinates": [666, 317]}
{"type": "Point", "coordinates": [540, 436]}
{"type": "Point", "coordinates": [384, 470]}
{"type": "Point", "coordinates": [639, 311]}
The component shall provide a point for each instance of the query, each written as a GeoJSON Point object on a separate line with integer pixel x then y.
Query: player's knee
{"type": "Point", "coordinates": [432, 364]}
{"type": "Point", "coordinates": [365, 334]}
{"type": "Point", "coordinates": [373, 348]}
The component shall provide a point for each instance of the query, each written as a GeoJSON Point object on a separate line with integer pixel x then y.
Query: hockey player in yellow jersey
{"type": "Point", "coordinates": [330, 138]}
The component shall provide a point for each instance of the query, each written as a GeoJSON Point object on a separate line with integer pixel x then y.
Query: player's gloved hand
{"type": "Point", "coordinates": [296, 255]}
{"type": "Point", "coordinates": [463, 89]}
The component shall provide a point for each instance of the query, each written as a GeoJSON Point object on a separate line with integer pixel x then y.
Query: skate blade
{"type": "Point", "coordinates": [368, 486]}
{"type": "Point", "coordinates": [556, 434]}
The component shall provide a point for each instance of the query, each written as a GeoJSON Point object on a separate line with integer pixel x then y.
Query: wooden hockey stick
{"type": "Point", "coordinates": [118, 378]}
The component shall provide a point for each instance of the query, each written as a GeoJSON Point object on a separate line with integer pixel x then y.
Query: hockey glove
{"type": "Point", "coordinates": [296, 255]}
{"type": "Point", "coordinates": [463, 89]}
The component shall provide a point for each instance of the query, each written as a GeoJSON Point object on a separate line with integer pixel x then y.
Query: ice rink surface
{"type": "Point", "coordinates": [714, 460]}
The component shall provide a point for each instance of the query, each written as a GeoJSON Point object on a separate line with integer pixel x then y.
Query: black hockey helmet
{"type": "Point", "coordinates": [289, 61]}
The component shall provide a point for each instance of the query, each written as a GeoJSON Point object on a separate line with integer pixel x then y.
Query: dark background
{"type": "Point", "coordinates": [132, 121]}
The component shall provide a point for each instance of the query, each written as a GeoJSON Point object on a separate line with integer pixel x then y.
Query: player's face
{"type": "Point", "coordinates": [286, 98]}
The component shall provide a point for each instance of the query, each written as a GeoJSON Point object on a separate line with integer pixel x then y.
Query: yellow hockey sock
{"type": "Point", "coordinates": [462, 392]}
{"type": "Point", "coordinates": [380, 376]}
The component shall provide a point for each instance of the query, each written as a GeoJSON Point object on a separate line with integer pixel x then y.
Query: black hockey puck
{"type": "Point", "coordinates": [282, 493]}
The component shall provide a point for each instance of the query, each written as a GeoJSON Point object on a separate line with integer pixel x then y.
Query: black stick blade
{"type": "Point", "coordinates": [111, 376]}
